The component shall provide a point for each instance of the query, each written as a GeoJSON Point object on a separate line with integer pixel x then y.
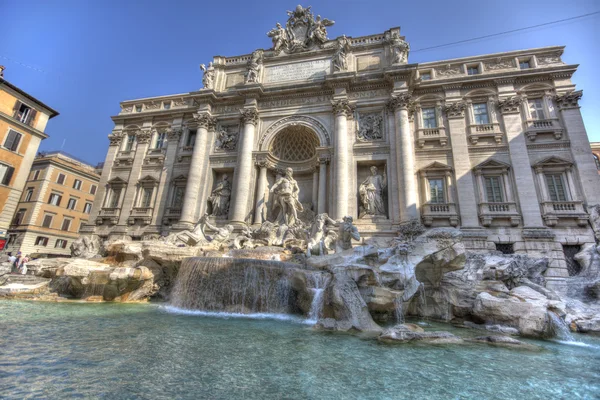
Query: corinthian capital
{"type": "Point", "coordinates": [401, 101]}
{"type": "Point", "coordinates": [510, 105]}
{"type": "Point", "coordinates": [249, 116]}
{"type": "Point", "coordinates": [115, 139]}
{"type": "Point", "coordinates": [455, 110]}
{"type": "Point", "coordinates": [205, 120]}
{"type": "Point", "coordinates": [174, 133]}
{"type": "Point", "coordinates": [143, 136]}
{"type": "Point", "coordinates": [568, 100]}
{"type": "Point", "coordinates": [342, 106]}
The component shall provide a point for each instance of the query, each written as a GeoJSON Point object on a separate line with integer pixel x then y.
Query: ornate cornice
{"type": "Point", "coordinates": [510, 105]}
{"type": "Point", "coordinates": [455, 110]}
{"type": "Point", "coordinates": [205, 120]}
{"type": "Point", "coordinates": [343, 107]}
{"type": "Point", "coordinates": [568, 100]}
{"type": "Point", "coordinates": [249, 116]}
{"type": "Point", "coordinates": [401, 101]}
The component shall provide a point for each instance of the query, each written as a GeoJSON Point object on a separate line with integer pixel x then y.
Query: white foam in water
{"type": "Point", "coordinates": [226, 315]}
{"type": "Point", "coordinates": [577, 344]}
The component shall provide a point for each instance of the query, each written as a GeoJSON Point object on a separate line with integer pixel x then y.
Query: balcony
{"type": "Point", "coordinates": [143, 214]}
{"type": "Point", "coordinates": [488, 212]}
{"type": "Point", "coordinates": [432, 134]}
{"type": "Point", "coordinates": [110, 214]}
{"type": "Point", "coordinates": [155, 157]}
{"type": "Point", "coordinates": [124, 158]}
{"type": "Point", "coordinates": [444, 212]}
{"type": "Point", "coordinates": [538, 126]}
{"type": "Point", "coordinates": [479, 131]}
{"type": "Point", "coordinates": [553, 211]}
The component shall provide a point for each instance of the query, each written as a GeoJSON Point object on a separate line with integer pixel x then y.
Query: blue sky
{"type": "Point", "coordinates": [84, 57]}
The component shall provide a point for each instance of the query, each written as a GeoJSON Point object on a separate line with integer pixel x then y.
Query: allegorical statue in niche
{"type": "Point", "coordinates": [219, 197]}
{"type": "Point", "coordinates": [226, 140]}
{"type": "Point", "coordinates": [348, 232]}
{"type": "Point", "coordinates": [208, 80]}
{"type": "Point", "coordinates": [279, 37]}
{"type": "Point", "coordinates": [340, 57]}
{"type": "Point", "coordinates": [371, 194]}
{"type": "Point", "coordinates": [398, 46]}
{"type": "Point", "coordinates": [254, 67]}
{"type": "Point", "coordinates": [285, 199]}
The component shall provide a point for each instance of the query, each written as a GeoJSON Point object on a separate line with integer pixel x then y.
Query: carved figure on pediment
{"type": "Point", "coordinates": [399, 47]}
{"type": "Point", "coordinates": [226, 140]}
{"type": "Point", "coordinates": [255, 66]}
{"type": "Point", "coordinates": [279, 37]}
{"type": "Point", "coordinates": [208, 80]}
{"type": "Point", "coordinates": [370, 127]}
{"type": "Point", "coordinates": [318, 32]}
{"type": "Point", "coordinates": [220, 196]}
{"type": "Point", "coordinates": [285, 198]}
{"type": "Point", "coordinates": [323, 235]}
{"type": "Point", "coordinates": [340, 57]}
{"type": "Point", "coordinates": [371, 194]}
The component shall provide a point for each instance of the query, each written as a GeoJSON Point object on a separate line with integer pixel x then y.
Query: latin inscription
{"type": "Point", "coordinates": [308, 70]}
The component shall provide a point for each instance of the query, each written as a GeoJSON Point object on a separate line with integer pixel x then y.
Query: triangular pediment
{"type": "Point", "coordinates": [179, 178]}
{"type": "Point", "coordinates": [149, 178]}
{"type": "Point", "coordinates": [117, 181]}
{"type": "Point", "coordinates": [436, 165]}
{"type": "Point", "coordinates": [553, 161]}
{"type": "Point", "coordinates": [492, 164]}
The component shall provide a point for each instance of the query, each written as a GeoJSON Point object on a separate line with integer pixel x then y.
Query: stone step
{"type": "Point", "coordinates": [25, 279]}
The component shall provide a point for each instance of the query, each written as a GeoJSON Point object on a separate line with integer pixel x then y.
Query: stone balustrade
{"type": "Point", "coordinates": [553, 211]}
{"type": "Point", "coordinates": [488, 212]}
{"type": "Point", "coordinates": [432, 134]}
{"type": "Point", "coordinates": [537, 126]}
{"type": "Point", "coordinates": [435, 212]}
{"type": "Point", "coordinates": [479, 131]}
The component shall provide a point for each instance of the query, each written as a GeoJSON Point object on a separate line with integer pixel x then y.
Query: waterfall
{"type": "Point", "coordinates": [94, 284]}
{"type": "Point", "coordinates": [399, 310]}
{"type": "Point", "coordinates": [317, 283]}
{"type": "Point", "coordinates": [560, 328]}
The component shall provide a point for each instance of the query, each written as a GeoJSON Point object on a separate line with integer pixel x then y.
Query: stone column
{"type": "Point", "coordinates": [568, 105]}
{"type": "Point", "coordinates": [322, 201]}
{"type": "Point", "coordinates": [539, 171]}
{"type": "Point", "coordinates": [243, 170]}
{"type": "Point", "coordinates": [260, 191]}
{"type": "Point", "coordinates": [399, 104]}
{"type": "Point", "coordinates": [194, 180]}
{"type": "Point", "coordinates": [510, 109]}
{"type": "Point", "coordinates": [449, 188]}
{"type": "Point", "coordinates": [465, 189]}
{"type": "Point", "coordinates": [342, 109]}
{"type": "Point", "coordinates": [162, 195]}
{"type": "Point", "coordinates": [315, 188]}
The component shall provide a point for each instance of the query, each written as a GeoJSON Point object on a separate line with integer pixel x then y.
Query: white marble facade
{"type": "Point", "coordinates": [493, 144]}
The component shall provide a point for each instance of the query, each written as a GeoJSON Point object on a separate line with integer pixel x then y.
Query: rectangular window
{"type": "Point", "coordinates": [12, 140]}
{"type": "Point", "coordinates": [81, 224]}
{"type": "Point", "coordinates": [160, 140]}
{"type": "Point", "coordinates": [61, 179]}
{"type": "Point", "coordinates": [71, 204]}
{"type": "Point", "coordinates": [138, 108]}
{"type": "Point", "coordinates": [436, 190]}
{"type": "Point", "coordinates": [87, 208]}
{"type": "Point", "coordinates": [93, 189]}
{"type": "Point", "coordinates": [41, 241]}
{"type": "Point", "coordinates": [114, 198]}
{"type": "Point", "coordinates": [19, 217]}
{"type": "Point", "coordinates": [60, 244]}
{"type": "Point", "coordinates": [556, 188]}
{"type": "Point", "coordinates": [55, 199]}
{"type": "Point", "coordinates": [47, 221]}
{"type": "Point", "coordinates": [473, 70]}
{"type": "Point", "coordinates": [77, 184]}
{"type": "Point", "coordinates": [178, 197]}
{"type": "Point", "coordinates": [480, 111]}
{"type": "Point", "coordinates": [191, 138]}
{"type": "Point", "coordinates": [6, 173]}
{"type": "Point", "coordinates": [524, 64]}
{"type": "Point", "coordinates": [493, 189]}
{"type": "Point", "coordinates": [65, 225]}
{"type": "Point", "coordinates": [129, 142]}
{"type": "Point", "coordinates": [429, 118]}
{"type": "Point", "coordinates": [536, 108]}
{"type": "Point", "coordinates": [425, 76]}
{"type": "Point", "coordinates": [36, 175]}
{"type": "Point", "coordinates": [24, 113]}
{"type": "Point", "coordinates": [29, 194]}
{"type": "Point", "coordinates": [147, 197]}
{"type": "Point", "coordinates": [167, 105]}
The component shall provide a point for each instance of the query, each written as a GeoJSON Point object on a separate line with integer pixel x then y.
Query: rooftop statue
{"type": "Point", "coordinates": [302, 31]}
{"type": "Point", "coordinates": [208, 80]}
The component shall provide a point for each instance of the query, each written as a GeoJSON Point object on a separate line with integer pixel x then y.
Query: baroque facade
{"type": "Point", "coordinates": [493, 144]}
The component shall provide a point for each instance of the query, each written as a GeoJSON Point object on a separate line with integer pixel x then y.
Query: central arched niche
{"type": "Point", "coordinates": [295, 144]}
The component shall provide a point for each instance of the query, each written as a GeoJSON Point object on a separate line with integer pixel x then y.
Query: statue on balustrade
{"type": "Point", "coordinates": [398, 46]}
{"type": "Point", "coordinates": [371, 194]}
{"type": "Point", "coordinates": [208, 80]}
{"type": "Point", "coordinates": [279, 37]}
{"type": "Point", "coordinates": [219, 197]}
{"type": "Point", "coordinates": [340, 57]}
{"type": "Point", "coordinates": [285, 199]}
{"type": "Point", "coordinates": [255, 66]}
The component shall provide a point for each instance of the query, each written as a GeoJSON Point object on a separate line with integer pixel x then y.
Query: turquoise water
{"type": "Point", "coordinates": [115, 351]}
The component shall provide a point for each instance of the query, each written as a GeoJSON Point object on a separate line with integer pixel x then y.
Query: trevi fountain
{"type": "Point", "coordinates": [367, 301]}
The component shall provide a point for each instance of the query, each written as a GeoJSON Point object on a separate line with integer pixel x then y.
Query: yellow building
{"type": "Point", "coordinates": [56, 201]}
{"type": "Point", "coordinates": [596, 154]}
{"type": "Point", "coordinates": [23, 120]}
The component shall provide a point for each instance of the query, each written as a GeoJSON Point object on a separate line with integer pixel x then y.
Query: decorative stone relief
{"type": "Point", "coordinates": [401, 101]}
{"type": "Point", "coordinates": [249, 116]}
{"type": "Point", "coordinates": [208, 80]}
{"type": "Point", "coordinates": [126, 109]}
{"type": "Point", "coordinates": [302, 32]}
{"type": "Point", "coordinates": [448, 71]}
{"type": "Point", "coordinates": [115, 139]}
{"type": "Point", "coordinates": [455, 110]}
{"type": "Point", "coordinates": [180, 103]}
{"type": "Point", "coordinates": [370, 127]}
{"type": "Point", "coordinates": [343, 106]}
{"type": "Point", "coordinates": [339, 61]}
{"type": "Point", "coordinates": [398, 47]}
{"type": "Point", "coordinates": [152, 106]}
{"type": "Point", "coordinates": [510, 105]}
{"type": "Point", "coordinates": [227, 138]}
{"type": "Point", "coordinates": [255, 66]}
{"type": "Point", "coordinates": [205, 120]}
{"type": "Point", "coordinates": [568, 100]}
{"type": "Point", "coordinates": [497, 64]}
{"type": "Point", "coordinates": [549, 59]}
{"type": "Point", "coordinates": [143, 136]}
{"type": "Point", "coordinates": [174, 134]}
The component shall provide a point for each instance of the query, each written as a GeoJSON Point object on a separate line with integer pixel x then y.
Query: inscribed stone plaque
{"type": "Point", "coordinates": [307, 70]}
{"type": "Point", "coordinates": [368, 62]}
{"type": "Point", "coordinates": [234, 79]}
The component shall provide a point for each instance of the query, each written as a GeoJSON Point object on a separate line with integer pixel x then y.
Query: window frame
{"type": "Point", "coordinates": [28, 194]}
{"type": "Point", "coordinates": [93, 189]}
{"type": "Point", "coordinates": [74, 203]}
{"type": "Point", "coordinates": [433, 117]}
{"type": "Point", "coordinates": [535, 110]}
{"type": "Point", "coordinates": [63, 244]}
{"type": "Point", "coordinates": [16, 142]}
{"type": "Point", "coordinates": [68, 222]}
{"type": "Point", "coordinates": [475, 107]}
{"type": "Point", "coordinates": [19, 216]}
{"type": "Point", "coordinates": [6, 175]}
{"type": "Point", "coordinates": [500, 188]}
{"type": "Point", "coordinates": [59, 180]}
{"type": "Point", "coordinates": [59, 196]}
{"type": "Point", "coordinates": [87, 208]}
{"type": "Point", "coordinates": [44, 240]}
{"type": "Point", "coordinates": [75, 182]}
{"type": "Point", "coordinates": [51, 216]}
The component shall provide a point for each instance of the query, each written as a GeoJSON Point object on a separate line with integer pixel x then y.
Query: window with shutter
{"type": "Point", "coordinates": [87, 208]}
{"type": "Point", "coordinates": [61, 179]}
{"type": "Point", "coordinates": [41, 241]}
{"type": "Point", "coordinates": [66, 224]}
{"type": "Point", "coordinates": [12, 140]}
{"type": "Point", "coordinates": [93, 189]}
{"type": "Point", "coordinates": [71, 204]}
{"type": "Point", "coordinates": [47, 223]}
{"type": "Point", "coordinates": [493, 189]}
{"type": "Point", "coordinates": [6, 174]}
{"type": "Point", "coordinates": [77, 184]}
{"type": "Point", "coordinates": [31, 117]}
{"type": "Point", "coordinates": [436, 187]}
{"type": "Point", "coordinates": [556, 189]}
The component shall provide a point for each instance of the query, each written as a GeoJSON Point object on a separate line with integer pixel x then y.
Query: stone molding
{"type": "Point", "coordinates": [455, 110]}
{"type": "Point", "coordinates": [343, 107]}
{"type": "Point", "coordinates": [568, 100]}
{"type": "Point", "coordinates": [143, 136]}
{"type": "Point", "coordinates": [174, 134]}
{"type": "Point", "coordinates": [402, 101]}
{"type": "Point", "coordinates": [511, 105]}
{"type": "Point", "coordinates": [205, 120]}
{"type": "Point", "coordinates": [115, 139]}
{"type": "Point", "coordinates": [249, 116]}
